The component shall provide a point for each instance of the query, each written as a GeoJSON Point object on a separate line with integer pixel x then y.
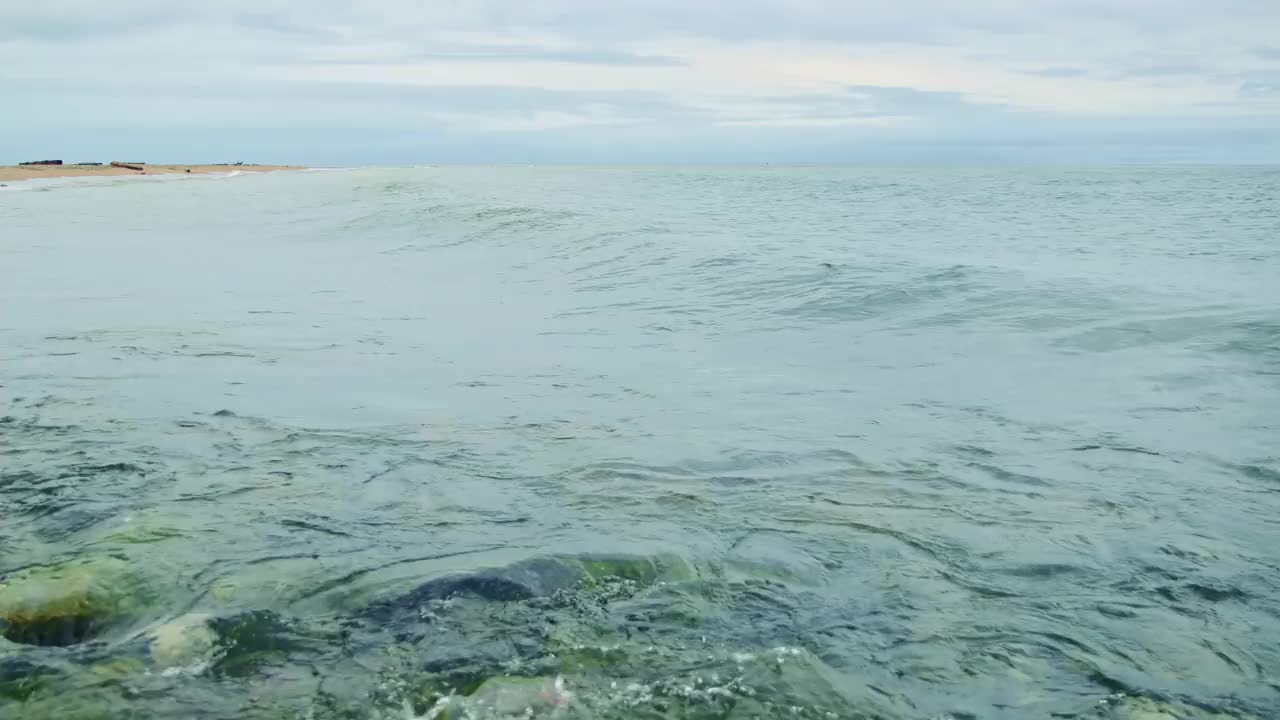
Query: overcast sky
{"type": "Point", "coordinates": [413, 81]}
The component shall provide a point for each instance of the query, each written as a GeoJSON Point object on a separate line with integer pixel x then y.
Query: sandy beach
{"type": "Point", "coordinates": [13, 173]}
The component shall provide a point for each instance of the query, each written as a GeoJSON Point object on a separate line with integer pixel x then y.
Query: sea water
{"type": "Point", "coordinates": [642, 442]}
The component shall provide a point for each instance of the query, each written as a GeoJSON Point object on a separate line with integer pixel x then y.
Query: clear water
{"type": "Point", "coordinates": [917, 443]}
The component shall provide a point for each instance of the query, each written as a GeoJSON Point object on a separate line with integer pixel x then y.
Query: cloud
{"type": "Point", "coordinates": [1059, 72]}
{"type": "Point", "coordinates": [1261, 85]}
{"type": "Point", "coordinates": [69, 22]}
{"type": "Point", "coordinates": [673, 72]}
{"type": "Point", "coordinates": [1163, 69]}
{"type": "Point", "coordinates": [280, 23]}
{"type": "Point", "coordinates": [519, 53]}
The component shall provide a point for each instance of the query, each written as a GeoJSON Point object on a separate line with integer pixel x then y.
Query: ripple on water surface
{"type": "Point", "coordinates": [626, 442]}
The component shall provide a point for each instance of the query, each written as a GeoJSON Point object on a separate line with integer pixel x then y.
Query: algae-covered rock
{"type": "Point", "coordinates": [70, 602]}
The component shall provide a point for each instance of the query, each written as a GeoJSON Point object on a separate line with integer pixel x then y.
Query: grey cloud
{"type": "Point", "coordinates": [492, 99]}
{"type": "Point", "coordinates": [1158, 65]}
{"type": "Point", "coordinates": [267, 59]}
{"type": "Point", "coordinates": [865, 102]}
{"type": "Point", "coordinates": [919, 102]}
{"type": "Point", "coordinates": [898, 98]}
{"type": "Point", "coordinates": [1156, 16]}
{"type": "Point", "coordinates": [916, 21]}
{"type": "Point", "coordinates": [68, 24]}
{"type": "Point", "coordinates": [598, 24]}
{"type": "Point", "coordinates": [305, 103]}
{"type": "Point", "coordinates": [280, 23]}
{"type": "Point", "coordinates": [1059, 72]}
{"type": "Point", "coordinates": [581, 56]}
{"type": "Point", "coordinates": [919, 21]}
{"type": "Point", "coordinates": [1163, 70]}
{"type": "Point", "coordinates": [913, 20]}
{"type": "Point", "coordinates": [1260, 85]}
{"type": "Point", "coordinates": [470, 98]}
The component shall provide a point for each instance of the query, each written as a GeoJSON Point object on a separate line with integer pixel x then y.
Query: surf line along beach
{"type": "Point", "coordinates": [54, 169]}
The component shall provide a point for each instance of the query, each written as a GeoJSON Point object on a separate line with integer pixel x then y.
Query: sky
{"type": "Point", "coordinates": [356, 82]}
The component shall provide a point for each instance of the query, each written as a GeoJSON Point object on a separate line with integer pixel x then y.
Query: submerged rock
{"type": "Point", "coordinates": [774, 556]}
{"type": "Point", "coordinates": [517, 620]}
{"type": "Point", "coordinates": [544, 577]}
{"type": "Point", "coordinates": [665, 682]}
{"type": "Point", "coordinates": [70, 602]}
{"type": "Point", "coordinates": [521, 581]}
{"type": "Point", "coordinates": [20, 678]}
{"type": "Point", "coordinates": [116, 670]}
{"type": "Point", "coordinates": [250, 640]}
{"type": "Point", "coordinates": [645, 570]}
{"type": "Point", "coordinates": [516, 696]}
{"type": "Point", "coordinates": [185, 641]}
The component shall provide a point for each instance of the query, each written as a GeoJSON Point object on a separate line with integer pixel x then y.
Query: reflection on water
{"type": "Point", "coordinates": [689, 443]}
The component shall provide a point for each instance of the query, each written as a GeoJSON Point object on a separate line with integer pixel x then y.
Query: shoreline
{"type": "Point", "coordinates": [18, 173]}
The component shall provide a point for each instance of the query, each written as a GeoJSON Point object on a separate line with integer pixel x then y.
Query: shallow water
{"type": "Point", "coordinates": [916, 443]}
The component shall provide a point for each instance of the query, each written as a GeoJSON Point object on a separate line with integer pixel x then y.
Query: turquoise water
{"type": "Point", "coordinates": [642, 442]}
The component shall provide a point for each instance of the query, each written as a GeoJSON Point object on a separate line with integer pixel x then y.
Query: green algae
{"type": "Point", "coordinates": [22, 686]}
{"type": "Point", "coordinates": [143, 535]}
{"type": "Point", "coordinates": [51, 702]}
{"type": "Point", "coordinates": [114, 670]}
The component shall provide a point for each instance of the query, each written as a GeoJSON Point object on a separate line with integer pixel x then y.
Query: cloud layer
{"type": "Point", "coordinates": [650, 78]}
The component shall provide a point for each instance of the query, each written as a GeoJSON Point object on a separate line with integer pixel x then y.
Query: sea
{"type": "Point", "coordinates": [954, 443]}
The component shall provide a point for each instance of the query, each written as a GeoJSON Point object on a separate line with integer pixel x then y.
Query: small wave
{"type": "Point", "coordinates": [929, 445]}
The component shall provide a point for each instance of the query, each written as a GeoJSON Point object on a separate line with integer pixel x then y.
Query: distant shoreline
{"type": "Point", "coordinates": [14, 173]}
